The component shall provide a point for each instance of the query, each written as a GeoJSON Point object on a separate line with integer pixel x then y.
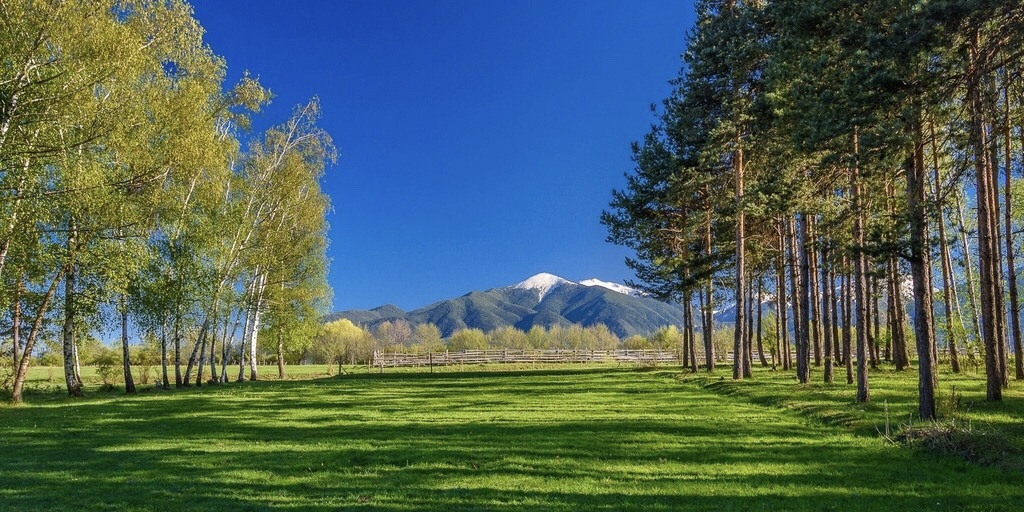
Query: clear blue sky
{"type": "Point", "coordinates": [479, 139]}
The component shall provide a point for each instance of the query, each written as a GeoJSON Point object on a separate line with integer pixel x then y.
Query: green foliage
{"type": "Point", "coordinates": [636, 342]}
{"type": "Point", "coordinates": [108, 367]}
{"type": "Point", "coordinates": [122, 165]}
{"type": "Point", "coordinates": [468, 339]}
{"type": "Point", "coordinates": [342, 341]}
{"type": "Point", "coordinates": [667, 338]}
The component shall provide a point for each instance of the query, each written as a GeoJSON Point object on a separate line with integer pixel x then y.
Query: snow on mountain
{"type": "Point", "coordinates": [542, 283]}
{"type": "Point", "coordinates": [615, 287]}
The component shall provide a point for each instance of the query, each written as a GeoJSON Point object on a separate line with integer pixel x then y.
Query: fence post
{"type": "Point", "coordinates": [430, 359]}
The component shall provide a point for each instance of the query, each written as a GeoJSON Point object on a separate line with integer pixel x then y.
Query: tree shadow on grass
{"type": "Point", "coordinates": [567, 441]}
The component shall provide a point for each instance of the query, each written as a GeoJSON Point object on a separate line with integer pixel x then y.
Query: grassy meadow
{"type": "Point", "coordinates": [562, 439]}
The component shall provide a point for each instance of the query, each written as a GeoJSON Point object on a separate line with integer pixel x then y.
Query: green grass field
{"type": "Point", "coordinates": [567, 439]}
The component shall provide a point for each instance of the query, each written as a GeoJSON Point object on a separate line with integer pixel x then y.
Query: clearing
{"type": "Point", "coordinates": [569, 439]}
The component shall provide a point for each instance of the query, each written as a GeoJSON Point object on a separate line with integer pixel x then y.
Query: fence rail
{"type": "Point", "coordinates": [446, 358]}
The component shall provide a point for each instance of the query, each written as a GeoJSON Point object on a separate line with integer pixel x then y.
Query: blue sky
{"type": "Point", "coordinates": [479, 140]}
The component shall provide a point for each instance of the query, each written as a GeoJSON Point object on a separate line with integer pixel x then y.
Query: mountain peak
{"type": "Point", "coordinates": [615, 287]}
{"type": "Point", "coordinates": [542, 283]}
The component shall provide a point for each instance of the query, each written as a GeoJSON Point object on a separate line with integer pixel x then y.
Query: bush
{"type": "Point", "coordinates": [975, 444]}
{"type": "Point", "coordinates": [109, 367]}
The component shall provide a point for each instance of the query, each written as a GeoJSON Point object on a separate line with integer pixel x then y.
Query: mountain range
{"type": "Point", "coordinates": [542, 300]}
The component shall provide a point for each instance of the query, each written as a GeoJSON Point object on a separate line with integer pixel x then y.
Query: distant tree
{"type": "Point", "coordinates": [507, 337]}
{"type": "Point", "coordinates": [468, 339]}
{"type": "Point", "coordinates": [340, 341]}
{"type": "Point", "coordinates": [427, 338]}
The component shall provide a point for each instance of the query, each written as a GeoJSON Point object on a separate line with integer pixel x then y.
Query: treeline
{"type": "Point", "coordinates": [132, 192]}
{"type": "Point", "coordinates": [342, 342]}
{"type": "Point", "coordinates": [814, 154]}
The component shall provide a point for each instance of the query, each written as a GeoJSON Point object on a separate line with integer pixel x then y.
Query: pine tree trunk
{"type": "Point", "coordinates": [707, 311]}
{"type": "Point", "coordinates": [1002, 340]}
{"type": "Point", "coordinates": [896, 333]}
{"type": "Point", "coordinates": [920, 269]}
{"type": "Point", "coordinates": [129, 381]}
{"type": "Point", "coordinates": [794, 280]}
{"type": "Point", "coordinates": [803, 339]}
{"type": "Point", "coordinates": [847, 322]}
{"type": "Point", "coordinates": [972, 293]}
{"type": "Point", "coordinates": [689, 327]}
{"type": "Point", "coordinates": [781, 316]}
{"type": "Point", "coordinates": [826, 320]}
{"type": "Point", "coordinates": [739, 370]}
{"type": "Point", "coordinates": [833, 302]}
{"type": "Point", "coordinates": [814, 298]}
{"type": "Point", "coordinates": [748, 341]}
{"type": "Point", "coordinates": [760, 319]}
{"type": "Point", "coordinates": [860, 271]}
{"type": "Point", "coordinates": [876, 323]}
{"type": "Point", "coordinates": [948, 283]}
{"type": "Point", "coordinates": [686, 337]}
{"type": "Point", "coordinates": [986, 243]}
{"type": "Point", "coordinates": [1011, 271]}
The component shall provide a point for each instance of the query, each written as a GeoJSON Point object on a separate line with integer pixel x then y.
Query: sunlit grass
{"type": "Point", "coordinates": [567, 439]}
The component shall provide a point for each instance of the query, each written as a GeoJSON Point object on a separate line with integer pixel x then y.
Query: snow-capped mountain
{"type": "Point", "coordinates": [615, 287]}
{"type": "Point", "coordinates": [541, 283]}
{"type": "Point", "coordinates": [542, 300]}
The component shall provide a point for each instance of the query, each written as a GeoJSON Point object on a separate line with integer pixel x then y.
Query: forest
{"type": "Point", "coordinates": [136, 197]}
{"type": "Point", "coordinates": [855, 165]}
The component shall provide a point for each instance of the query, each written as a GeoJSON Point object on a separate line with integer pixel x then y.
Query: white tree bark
{"type": "Point", "coordinates": [254, 330]}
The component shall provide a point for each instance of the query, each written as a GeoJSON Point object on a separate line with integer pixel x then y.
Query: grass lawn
{"type": "Point", "coordinates": [567, 439]}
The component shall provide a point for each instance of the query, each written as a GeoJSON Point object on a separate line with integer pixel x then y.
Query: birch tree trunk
{"type": "Point", "coordinates": [129, 381]}
{"type": "Point", "coordinates": [177, 350]}
{"type": "Point", "coordinates": [71, 378]}
{"type": "Point", "coordinates": [166, 383]}
{"type": "Point", "coordinates": [16, 322]}
{"type": "Point", "coordinates": [21, 371]}
{"type": "Point", "coordinates": [280, 355]}
{"type": "Point", "coordinates": [254, 332]}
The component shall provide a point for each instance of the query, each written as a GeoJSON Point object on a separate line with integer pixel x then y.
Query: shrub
{"type": "Point", "coordinates": [108, 367]}
{"type": "Point", "coordinates": [980, 445]}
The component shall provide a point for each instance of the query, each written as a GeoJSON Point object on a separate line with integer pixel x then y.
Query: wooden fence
{"type": "Point", "coordinates": [622, 356]}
